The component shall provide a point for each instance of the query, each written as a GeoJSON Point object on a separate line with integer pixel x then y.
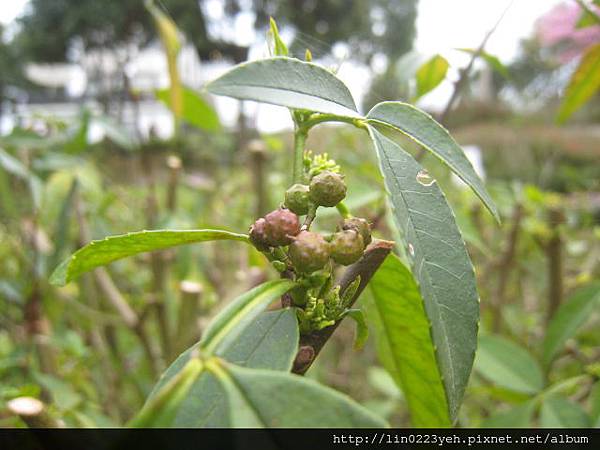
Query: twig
{"type": "Point", "coordinates": [115, 298]}
{"type": "Point", "coordinates": [505, 265]}
{"type": "Point", "coordinates": [311, 344]}
{"type": "Point", "coordinates": [157, 263]}
{"type": "Point", "coordinates": [464, 74]}
{"type": "Point", "coordinates": [555, 262]}
{"type": "Point", "coordinates": [258, 159]}
{"type": "Point", "coordinates": [189, 310]}
{"type": "Point", "coordinates": [174, 166]}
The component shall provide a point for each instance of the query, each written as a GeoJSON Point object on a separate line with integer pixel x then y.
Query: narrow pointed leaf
{"type": "Point", "coordinates": [440, 262]}
{"type": "Point", "coordinates": [404, 344]}
{"type": "Point", "coordinates": [269, 342]}
{"type": "Point", "coordinates": [236, 316]}
{"type": "Point", "coordinates": [431, 74]}
{"type": "Point", "coordinates": [160, 411]}
{"type": "Point", "coordinates": [569, 317]}
{"type": "Point", "coordinates": [508, 365]}
{"type": "Point", "coordinates": [61, 232]}
{"type": "Point", "coordinates": [362, 329]}
{"type": "Point", "coordinates": [287, 82]}
{"type": "Point", "coordinates": [169, 36]}
{"type": "Point", "coordinates": [279, 47]}
{"type": "Point", "coordinates": [104, 251]}
{"type": "Point", "coordinates": [423, 129]}
{"type": "Point", "coordinates": [584, 83]}
{"type": "Point", "coordinates": [280, 399]}
{"type": "Point", "coordinates": [491, 60]}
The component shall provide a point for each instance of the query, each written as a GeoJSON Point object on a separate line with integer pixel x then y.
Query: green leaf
{"type": "Point", "coordinates": [423, 129]}
{"type": "Point", "coordinates": [237, 315]}
{"type": "Point", "coordinates": [589, 16]}
{"type": "Point", "coordinates": [491, 60]}
{"type": "Point", "coordinates": [517, 417]}
{"type": "Point", "coordinates": [404, 343]}
{"type": "Point", "coordinates": [558, 412]}
{"type": "Point", "coordinates": [61, 231]}
{"type": "Point", "coordinates": [264, 398]}
{"type": "Point", "coordinates": [362, 330]}
{"type": "Point", "coordinates": [287, 82]}
{"type": "Point", "coordinates": [161, 409]}
{"type": "Point", "coordinates": [104, 251]}
{"type": "Point", "coordinates": [584, 83]}
{"type": "Point", "coordinates": [196, 111]}
{"type": "Point", "coordinates": [431, 74]}
{"type": "Point", "coordinates": [586, 19]}
{"type": "Point", "coordinates": [169, 37]}
{"type": "Point", "coordinates": [269, 342]}
{"type": "Point", "coordinates": [508, 365]}
{"type": "Point", "coordinates": [280, 49]}
{"type": "Point", "coordinates": [441, 265]}
{"type": "Point", "coordinates": [570, 316]}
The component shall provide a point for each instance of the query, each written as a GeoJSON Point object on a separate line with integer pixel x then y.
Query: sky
{"type": "Point", "coordinates": [443, 26]}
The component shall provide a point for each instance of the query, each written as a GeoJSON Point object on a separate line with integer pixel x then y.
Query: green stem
{"type": "Point", "coordinates": [343, 210]}
{"type": "Point", "coordinates": [320, 118]}
{"type": "Point", "coordinates": [299, 139]}
{"type": "Point", "coordinates": [301, 133]}
{"type": "Point", "coordinates": [312, 213]}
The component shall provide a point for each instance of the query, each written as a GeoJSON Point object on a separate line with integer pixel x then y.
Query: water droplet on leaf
{"type": "Point", "coordinates": [411, 250]}
{"type": "Point", "coordinates": [424, 178]}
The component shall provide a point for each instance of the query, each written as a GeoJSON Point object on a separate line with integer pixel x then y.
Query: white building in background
{"type": "Point", "coordinates": [78, 84]}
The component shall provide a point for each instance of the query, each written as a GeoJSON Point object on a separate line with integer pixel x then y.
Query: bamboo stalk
{"type": "Point", "coordinates": [189, 311]}
{"type": "Point", "coordinates": [33, 412]}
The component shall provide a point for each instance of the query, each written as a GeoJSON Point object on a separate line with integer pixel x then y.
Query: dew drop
{"type": "Point", "coordinates": [411, 250]}
{"type": "Point", "coordinates": [424, 178]}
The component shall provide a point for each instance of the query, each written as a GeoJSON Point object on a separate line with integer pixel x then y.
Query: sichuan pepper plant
{"type": "Point", "coordinates": [246, 370]}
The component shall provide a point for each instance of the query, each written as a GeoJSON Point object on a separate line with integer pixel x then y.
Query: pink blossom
{"type": "Point", "coordinates": [559, 26]}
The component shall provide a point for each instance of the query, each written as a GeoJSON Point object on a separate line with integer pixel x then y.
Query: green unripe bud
{"type": "Point", "coordinates": [361, 226]}
{"type": "Point", "coordinates": [309, 252]}
{"type": "Point", "coordinates": [281, 226]}
{"type": "Point", "coordinates": [347, 247]}
{"type": "Point", "coordinates": [327, 188]}
{"type": "Point", "coordinates": [258, 236]}
{"type": "Point", "coordinates": [279, 266]}
{"type": "Point", "coordinates": [297, 199]}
